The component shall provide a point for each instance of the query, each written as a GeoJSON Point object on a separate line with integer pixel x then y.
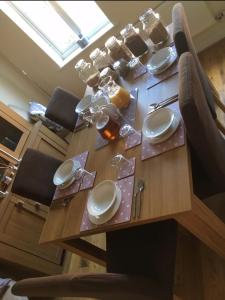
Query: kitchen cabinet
{"type": "Point", "coordinates": [21, 219]}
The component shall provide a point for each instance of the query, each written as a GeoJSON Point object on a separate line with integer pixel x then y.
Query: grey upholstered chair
{"type": "Point", "coordinates": [184, 43]}
{"type": "Point", "coordinates": [207, 143]}
{"type": "Point", "coordinates": [140, 265]}
{"type": "Point", "coordinates": [61, 108]}
{"type": "Point", "coordinates": [34, 177]}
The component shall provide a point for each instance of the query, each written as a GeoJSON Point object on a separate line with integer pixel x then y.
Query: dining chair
{"type": "Point", "coordinates": [206, 142]}
{"type": "Point", "coordinates": [140, 265]}
{"type": "Point", "coordinates": [34, 177]}
{"type": "Point", "coordinates": [61, 108]}
{"type": "Point", "coordinates": [184, 43]}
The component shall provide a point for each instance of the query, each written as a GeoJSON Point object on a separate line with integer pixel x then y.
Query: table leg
{"type": "Point", "coordinates": [205, 225]}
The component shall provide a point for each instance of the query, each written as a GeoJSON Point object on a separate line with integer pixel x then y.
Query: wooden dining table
{"type": "Point", "coordinates": [168, 192]}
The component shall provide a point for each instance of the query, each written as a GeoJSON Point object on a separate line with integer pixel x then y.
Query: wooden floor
{"type": "Point", "coordinates": [200, 274]}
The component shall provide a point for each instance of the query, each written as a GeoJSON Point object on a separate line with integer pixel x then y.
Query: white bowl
{"type": "Point", "coordinates": [109, 214]}
{"type": "Point", "coordinates": [157, 123]}
{"type": "Point", "coordinates": [101, 198]}
{"type": "Point", "coordinates": [65, 171]}
{"type": "Point", "coordinates": [84, 104]}
{"type": "Point", "coordinates": [169, 133]}
{"type": "Point", "coordinates": [159, 59]}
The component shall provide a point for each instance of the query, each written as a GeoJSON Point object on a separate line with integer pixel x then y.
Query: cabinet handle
{"type": "Point", "coordinates": [19, 204]}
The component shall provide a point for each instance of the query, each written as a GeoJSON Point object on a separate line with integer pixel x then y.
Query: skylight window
{"type": "Point", "coordinates": [65, 26]}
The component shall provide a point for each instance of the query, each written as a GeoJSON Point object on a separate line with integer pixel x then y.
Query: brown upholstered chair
{"type": "Point", "coordinates": [61, 108]}
{"type": "Point", "coordinates": [207, 143]}
{"type": "Point", "coordinates": [140, 265]}
{"type": "Point", "coordinates": [184, 43]}
{"type": "Point", "coordinates": [34, 178]}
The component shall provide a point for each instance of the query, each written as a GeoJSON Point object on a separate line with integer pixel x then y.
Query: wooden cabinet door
{"type": "Point", "coordinates": [21, 227]}
{"type": "Point", "coordinates": [14, 131]}
{"type": "Point", "coordinates": [48, 146]}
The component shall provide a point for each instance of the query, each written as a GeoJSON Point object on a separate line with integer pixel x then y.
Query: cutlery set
{"type": "Point", "coordinates": [155, 106]}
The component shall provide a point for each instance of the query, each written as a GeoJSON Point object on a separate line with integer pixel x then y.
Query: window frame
{"type": "Point", "coordinates": [70, 22]}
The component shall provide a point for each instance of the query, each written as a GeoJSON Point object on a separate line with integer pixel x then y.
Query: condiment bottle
{"type": "Point", "coordinates": [134, 41]}
{"type": "Point", "coordinates": [153, 27]}
{"type": "Point", "coordinates": [117, 49]}
{"type": "Point", "coordinates": [100, 59]}
{"type": "Point", "coordinates": [87, 72]}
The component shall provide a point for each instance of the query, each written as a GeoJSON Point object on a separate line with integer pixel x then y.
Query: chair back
{"type": "Point", "coordinates": [140, 265]}
{"type": "Point", "coordinates": [61, 108]}
{"type": "Point", "coordinates": [206, 140]}
{"type": "Point", "coordinates": [34, 177]}
{"type": "Point", "coordinates": [184, 43]}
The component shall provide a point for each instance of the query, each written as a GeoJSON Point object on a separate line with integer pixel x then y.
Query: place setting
{"type": "Point", "coordinates": [162, 65]}
{"type": "Point", "coordinates": [162, 129]}
{"type": "Point", "coordinates": [111, 201]}
{"type": "Point", "coordinates": [72, 177]}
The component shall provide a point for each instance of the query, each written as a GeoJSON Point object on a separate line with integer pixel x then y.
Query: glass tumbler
{"type": "Point", "coordinates": [119, 161]}
{"type": "Point", "coordinates": [80, 173]}
{"type": "Point", "coordinates": [127, 130]}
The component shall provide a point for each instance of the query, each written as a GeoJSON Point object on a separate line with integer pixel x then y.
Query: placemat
{"type": "Point", "coordinates": [156, 79]}
{"type": "Point", "coordinates": [124, 212]}
{"type": "Point", "coordinates": [133, 140]}
{"type": "Point", "coordinates": [176, 140]}
{"type": "Point", "coordinates": [127, 169]}
{"type": "Point", "coordinates": [74, 187]}
{"type": "Point", "coordinates": [88, 181]}
{"type": "Point", "coordinates": [128, 116]}
{"type": "Point", "coordinates": [138, 71]}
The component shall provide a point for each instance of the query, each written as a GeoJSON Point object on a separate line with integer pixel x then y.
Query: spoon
{"type": "Point", "coordinates": [141, 186]}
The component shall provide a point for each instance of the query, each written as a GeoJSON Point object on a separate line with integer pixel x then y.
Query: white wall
{"type": "Point", "coordinates": [16, 90]}
{"type": "Point", "coordinates": [23, 53]}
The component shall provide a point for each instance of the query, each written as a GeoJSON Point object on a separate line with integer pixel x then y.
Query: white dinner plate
{"type": "Point", "coordinates": [175, 124]}
{"type": "Point", "coordinates": [159, 59]}
{"type": "Point", "coordinates": [165, 65]}
{"type": "Point", "coordinates": [157, 123]}
{"type": "Point", "coordinates": [101, 198]}
{"type": "Point", "coordinates": [65, 172]}
{"type": "Point", "coordinates": [66, 184]}
{"type": "Point", "coordinates": [110, 213]}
